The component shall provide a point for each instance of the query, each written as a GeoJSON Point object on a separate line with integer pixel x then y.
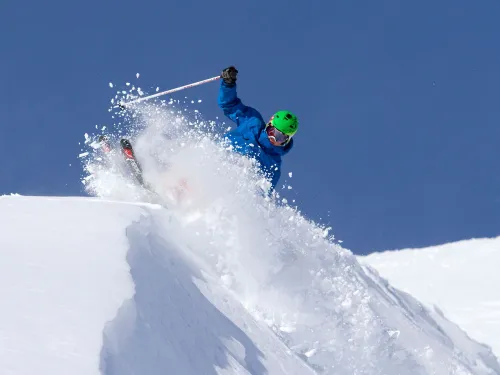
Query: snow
{"type": "Point", "coordinates": [221, 278]}
{"type": "Point", "coordinates": [97, 287]}
{"type": "Point", "coordinates": [460, 278]}
{"type": "Point", "coordinates": [60, 282]}
{"type": "Point", "coordinates": [110, 287]}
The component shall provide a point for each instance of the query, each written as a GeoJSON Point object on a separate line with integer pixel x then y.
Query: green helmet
{"type": "Point", "coordinates": [286, 122]}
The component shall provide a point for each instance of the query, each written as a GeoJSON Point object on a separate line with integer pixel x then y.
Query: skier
{"type": "Point", "coordinates": [253, 137]}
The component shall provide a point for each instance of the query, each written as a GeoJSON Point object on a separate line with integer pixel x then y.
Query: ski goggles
{"type": "Point", "coordinates": [276, 137]}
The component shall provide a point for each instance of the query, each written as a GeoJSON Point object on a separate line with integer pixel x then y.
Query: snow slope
{"type": "Point", "coordinates": [92, 286]}
{"type": "Point", "coordinates": [460, 278]}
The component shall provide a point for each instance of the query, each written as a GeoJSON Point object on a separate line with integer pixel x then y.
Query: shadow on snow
{"type": "Point", "coordinates": [169, 326]}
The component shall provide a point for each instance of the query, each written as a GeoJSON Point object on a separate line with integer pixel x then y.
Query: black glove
{"type": "Point", "coordinates": [229, 76]}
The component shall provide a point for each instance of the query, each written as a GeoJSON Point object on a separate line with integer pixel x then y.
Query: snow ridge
{"type": "Point", "coordinates": [170, 305]}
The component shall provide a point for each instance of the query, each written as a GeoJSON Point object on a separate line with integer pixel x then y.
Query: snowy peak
{"type": "Point", "coordinates": [459, 278]}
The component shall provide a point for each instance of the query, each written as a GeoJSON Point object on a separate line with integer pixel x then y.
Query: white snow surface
{"type": "Point", "coordinates": [93, 286]}
{"type": "Point", "coordinates": [460, 278]}
{"type": "Point", "coordinates": [226, 280]}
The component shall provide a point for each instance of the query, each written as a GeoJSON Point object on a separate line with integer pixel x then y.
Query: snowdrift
{"type": "Point", "coordinates": [460, 278]}
{"type": "Point", "coordinates": [92, 286]}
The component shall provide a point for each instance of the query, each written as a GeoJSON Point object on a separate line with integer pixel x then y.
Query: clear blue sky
{"type": "Point", "coordinates": [398, 100]}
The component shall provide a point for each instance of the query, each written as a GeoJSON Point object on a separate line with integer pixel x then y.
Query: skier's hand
{"type": "Point", "coordinates": [229, 75]}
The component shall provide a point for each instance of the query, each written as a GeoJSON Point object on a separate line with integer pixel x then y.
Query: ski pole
{"type": "Point", "coordinates": [124, 105]}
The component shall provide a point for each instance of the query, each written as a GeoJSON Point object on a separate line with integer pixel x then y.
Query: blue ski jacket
{"type": "Point", "coordinates": [249, 137]}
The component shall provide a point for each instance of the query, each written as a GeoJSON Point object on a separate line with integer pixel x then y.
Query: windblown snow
{"type": "Point", "coordinates": [212, 275]}
{"type": "Point", "coordinates": [460, 278]}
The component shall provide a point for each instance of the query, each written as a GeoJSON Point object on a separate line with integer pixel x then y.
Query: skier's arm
{"type": "Point", "coordinates": [229, 101]}
{"type": "Point", "coordinates": [232, 105]}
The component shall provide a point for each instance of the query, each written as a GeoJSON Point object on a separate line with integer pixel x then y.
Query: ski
{"type": "Point", "coordinates": [130, 167]}
{"type": "Point", "coordinates": [136, 170]}
{"type": "Point", "coordinates": [134, 166]}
